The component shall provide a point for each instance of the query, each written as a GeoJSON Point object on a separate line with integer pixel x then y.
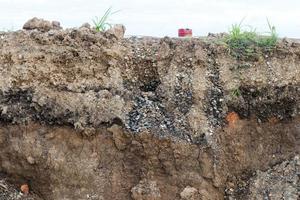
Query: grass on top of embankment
{"type": "Point", "coordinates": [244, 43]}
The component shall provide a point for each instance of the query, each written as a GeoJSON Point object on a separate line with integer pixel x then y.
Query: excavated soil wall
{"type": "Point", "coordinates": [90, 115]}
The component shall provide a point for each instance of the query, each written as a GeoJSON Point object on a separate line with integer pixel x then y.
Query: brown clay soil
{"type": "Point", "coordinates": [91, 115]}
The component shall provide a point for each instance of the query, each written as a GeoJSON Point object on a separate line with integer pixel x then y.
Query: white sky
{"type": "Point", "coordinates": [160, 17]}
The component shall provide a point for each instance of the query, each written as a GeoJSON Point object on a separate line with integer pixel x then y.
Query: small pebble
{"type": "Point", "coordinates": [30, 160]}
{"type": "Point", "coordinates": [25, 188]}
{"type": "Point", "coordinates": [21, 57]}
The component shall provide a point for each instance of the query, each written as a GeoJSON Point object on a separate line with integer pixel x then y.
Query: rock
{"type": "Point", "coordinates": [25, 189]}
{"type": "Point", "coordinates": [85, 25]}
{"type": "Point", "coordinates": [21, 57]}
{"type": "Point", "coordinates": [117, 30]}
{"type": "Point", "coordinates": [146, 190]}
{"type": "Point", "coordinates": [232, 118]}
{"type": "Point", "coordinates": [41, 25]}
{"type": "Point", "coordinates": [190, 193]}
{"type": "Point", "coordinates": [51, 32]}
{"type": "Point", "coordinates": [56, 25]}
{"type": "Point", "coordinates": [30, 160]}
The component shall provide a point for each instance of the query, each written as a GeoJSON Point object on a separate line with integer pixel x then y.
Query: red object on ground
{"type": "Point", "coordinates": [185, 32]}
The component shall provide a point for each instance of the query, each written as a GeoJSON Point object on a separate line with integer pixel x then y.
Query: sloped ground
{"type": "Point", "coordinates": [88, 115]}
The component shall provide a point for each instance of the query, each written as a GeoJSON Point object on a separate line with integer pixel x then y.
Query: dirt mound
{"type": "Point", "coordinates": [93, 115]}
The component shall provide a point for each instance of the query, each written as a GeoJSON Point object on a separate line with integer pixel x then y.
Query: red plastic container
{"type": "Point", "coordinates": [185, 32]}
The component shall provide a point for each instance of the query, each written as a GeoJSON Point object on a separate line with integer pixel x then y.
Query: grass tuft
{"type": "Point", "coordinates": [236, 92]}
{"type": "Point", "coordinates": [102, 24]}
{"type": "Point", "coordinates": [269, 42]}
{"type": "Point", "coordinates": [244, 43]}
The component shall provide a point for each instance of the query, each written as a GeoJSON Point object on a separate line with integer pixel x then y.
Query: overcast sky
{"type": "Point", "coordinates": [160, 17]}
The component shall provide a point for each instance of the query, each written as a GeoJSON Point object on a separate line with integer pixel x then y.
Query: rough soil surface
{"type": "Point", "coordinates": [279, 182]}
{"type": "Point", "coordinates": [10, 192]}
{"type": "Point", "coordinates": [90, 115]}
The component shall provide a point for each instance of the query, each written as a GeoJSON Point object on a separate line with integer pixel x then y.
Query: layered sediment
{"type": "Point", "coordinates": [92, 115]}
